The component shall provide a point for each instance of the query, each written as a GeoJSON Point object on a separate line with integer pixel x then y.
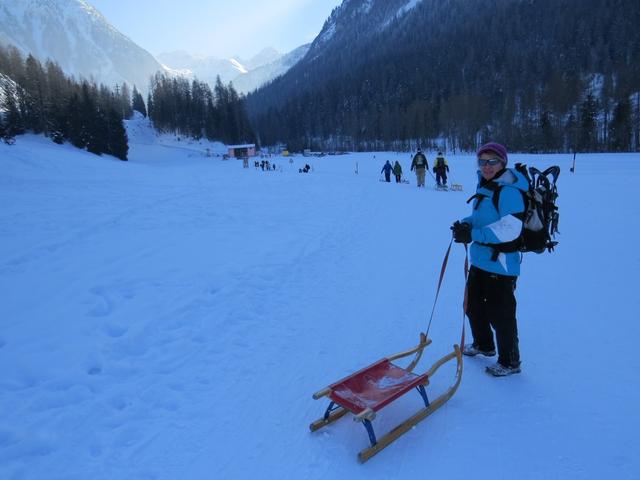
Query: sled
{"type": "Point", "coordinates": [456, 187]}
{"type": "Point", "coordinates": [367, 391]}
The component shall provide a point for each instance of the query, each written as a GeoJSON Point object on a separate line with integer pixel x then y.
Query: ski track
{"type": "Point", "coordinates": [175, 322]}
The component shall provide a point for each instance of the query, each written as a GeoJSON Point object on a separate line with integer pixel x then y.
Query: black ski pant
{"type": "Point", "coordinates": [441, 177]}
{"type": "Point", "coordinates": [387, 176]}
{"type": "Point", "coordinates": [491, 303]}
{"type": "Point", "coordinates": [398, 177]}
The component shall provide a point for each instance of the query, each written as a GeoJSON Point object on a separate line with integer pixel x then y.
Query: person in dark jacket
{"type": "Point", "coordinates": [440, 168]}
{"type": "Point", "coordinates": [386, 168]}
{"type": "Point", "coordinates": [397, 171]}
{"type": "Point", "coordinates": [492, 229]}
{"type": "Point", "coordinates": [420, 165]}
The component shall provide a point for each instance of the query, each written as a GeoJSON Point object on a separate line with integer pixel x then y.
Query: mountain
{"type": "Point", "coordinates": [263, 74]}
{"type": "Point", "coordinates": [541, 75]}
{"type": "Point", "coordinates": [204, 68]}
{"type": "Point", "coordinates": [78, 38]}
{"type": "Point", "coordinates": [246, 75]}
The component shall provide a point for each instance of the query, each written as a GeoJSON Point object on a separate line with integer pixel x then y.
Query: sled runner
{"type": "Point", "coordinates": [369, 390]}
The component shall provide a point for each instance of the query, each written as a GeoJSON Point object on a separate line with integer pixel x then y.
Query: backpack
{"type": "Point", "coordinates": [541, 216]}
{"type": "Point", "coordinates": [440, 162]}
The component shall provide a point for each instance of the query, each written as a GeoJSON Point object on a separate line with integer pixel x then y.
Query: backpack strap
{"type": "Point", "coordinates": [513, 245]}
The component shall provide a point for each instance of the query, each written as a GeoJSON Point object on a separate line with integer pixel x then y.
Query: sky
{"type": "Point", "coordinates": [217, 27]}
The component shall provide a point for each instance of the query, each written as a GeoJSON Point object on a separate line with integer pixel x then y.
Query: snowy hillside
{"type": "Point", "coordinates": [78, 38]}
{"type": "Point", "coordinates": [170, 317]}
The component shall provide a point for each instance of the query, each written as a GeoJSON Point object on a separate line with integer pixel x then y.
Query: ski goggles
{"type": "Point", "coordinates": [492, 162]}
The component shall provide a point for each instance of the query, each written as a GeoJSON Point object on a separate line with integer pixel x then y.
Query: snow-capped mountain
{"type": "Point", "coordinates": [246, 75]}
{"type": "Point", "coordinates": [205, 68]}
{"type": "Point", "coordinates": [78, 38]}
{"type": "Point", "coordinates": [257, 77]}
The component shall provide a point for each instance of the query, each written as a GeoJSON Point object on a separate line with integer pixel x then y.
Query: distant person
{"type": "Point", "coordinates": [397, 171]}
{"type": "Point", "coordinates": [387, 171]}
{"type": "Point", "coordinates": [440, 168]}
{"type": "Point", "coordinates": [493, 229]}
{"type": "Point", "coordinates": [420, 165]}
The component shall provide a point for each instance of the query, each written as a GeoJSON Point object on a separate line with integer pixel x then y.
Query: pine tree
{"type": "Point", "coordinates": [74, 122]}
{"type": "Point", "coordinates": [14, 123]}
{"type": "Point", "coordinates": [125, 102]}
{"type": "Point", "coordinates": [150, 110]}
{"type": "Point", "coordinates": [587, 135]}
{"type": "Point", "coordinates": [116, 139]}
{"type": "Point", "coordinates": [137, 103]}
{"type": "Point", "coordinates": [620, 127]}
{"type": "Point", "coordinates": [33, 101]}
{"type": "Point", "coordinates": [3, 130]}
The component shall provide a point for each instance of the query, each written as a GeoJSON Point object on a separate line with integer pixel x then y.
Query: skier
{"type": "Point", "coordinates": [386, 168]}
{"type": "Point", "coordinates": [420, 164]}
{"type": "Point", "coordinates": [441, 168]}
{"type": "Point", "coordinates": [397, 171]}
{"type": "Point", "coordinates": [492, 278]}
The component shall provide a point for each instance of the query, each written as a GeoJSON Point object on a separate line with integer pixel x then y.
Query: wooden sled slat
{"type": "Point", "coordinates": [383, 442]}
{"type": "Point", "coordinates": [372, 388]}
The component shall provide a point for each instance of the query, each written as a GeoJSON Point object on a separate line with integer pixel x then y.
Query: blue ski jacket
{"type": "Point", "coordinates": [386, 168]}
{"type": "Point", "coordinates": [493, 227]}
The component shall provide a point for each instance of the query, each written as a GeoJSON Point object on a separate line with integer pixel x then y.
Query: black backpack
{"type": "Point", "coordinates": [541, 214]}
{"type": "Point", "coordinates": [540, 217]}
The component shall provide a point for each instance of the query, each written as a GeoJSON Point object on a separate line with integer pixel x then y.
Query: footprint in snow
{"type": "Point", "coordinates": [114, 331]}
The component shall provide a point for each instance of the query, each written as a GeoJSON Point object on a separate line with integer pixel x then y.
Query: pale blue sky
{"type": "Point", "coordinates": [223, 28]}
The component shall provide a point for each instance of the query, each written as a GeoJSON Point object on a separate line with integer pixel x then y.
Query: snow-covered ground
{"type": "Point", "coordinates": [169, 317]}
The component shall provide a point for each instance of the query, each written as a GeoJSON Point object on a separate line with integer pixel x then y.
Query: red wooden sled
{"type": "Point", "coordinates": [369, 390]}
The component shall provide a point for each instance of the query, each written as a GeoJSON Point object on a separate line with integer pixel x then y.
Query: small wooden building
{"type": "Point", "coordinates": [242, 151]}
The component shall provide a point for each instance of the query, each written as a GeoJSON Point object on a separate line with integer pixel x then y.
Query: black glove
{"type": "Point", "coordinates": [461, 232]}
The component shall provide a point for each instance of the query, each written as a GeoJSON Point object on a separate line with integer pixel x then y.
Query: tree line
{"type": "Point", "coordinates": [191, 108]}
{"type": "Point", "coordinates": [42, 99]}
{"type": "Point", "coordinates": [540, 75]}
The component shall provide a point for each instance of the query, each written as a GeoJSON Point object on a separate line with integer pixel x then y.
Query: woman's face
{"type": "Point", "coordinates": [489, 171]}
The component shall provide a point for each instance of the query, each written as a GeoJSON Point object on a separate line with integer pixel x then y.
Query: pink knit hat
{"type": "Point", "coordinates": [496, 148]}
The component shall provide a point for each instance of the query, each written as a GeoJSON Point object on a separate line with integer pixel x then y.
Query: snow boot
{"type": "Point", "coordinates": [471, 350]}
{"type": "Point", "coordinates": [499, 370]}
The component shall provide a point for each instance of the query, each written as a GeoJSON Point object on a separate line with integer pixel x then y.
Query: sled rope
{"type": "Point", "coordinates": [465, 300]}
{"type": "Point", "coordinates": [442, 270]}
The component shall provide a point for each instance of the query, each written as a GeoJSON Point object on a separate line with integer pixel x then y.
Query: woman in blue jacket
{"type": "Point", "coordinates": [493, 229]}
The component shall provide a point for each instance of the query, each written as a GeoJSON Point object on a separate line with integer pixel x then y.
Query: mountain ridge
{"type": "Point", "coordinates": [78, 37]}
